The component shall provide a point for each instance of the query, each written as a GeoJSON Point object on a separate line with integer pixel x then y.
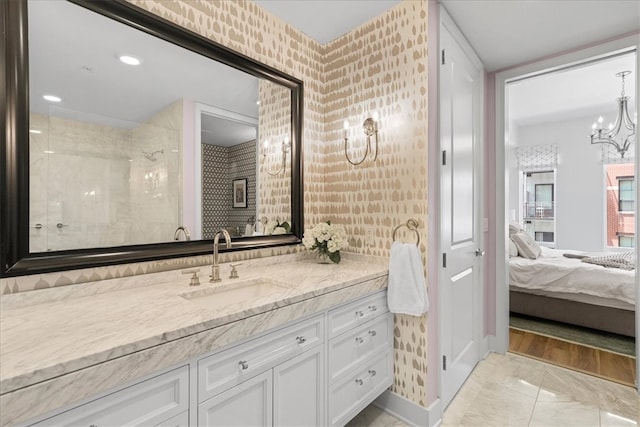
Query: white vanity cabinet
{"type": "Point", "coordinates": [277, 379]}
{"type": "Point", "coordinates": [319, 370]}
{"type": "Point", "coordinates": [360, 356]}
{"type": "Point", "coordinates": [162, 400]}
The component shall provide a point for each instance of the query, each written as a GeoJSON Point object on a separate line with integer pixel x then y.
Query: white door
{"type": "Point", "coordinates": [461, 211]}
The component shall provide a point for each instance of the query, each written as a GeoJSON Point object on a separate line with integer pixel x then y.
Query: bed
{"type": "Point", "coordinates": [569, 290]}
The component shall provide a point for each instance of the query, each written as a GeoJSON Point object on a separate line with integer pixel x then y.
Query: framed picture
{"type": "Point", "coordinates": [240, 193]}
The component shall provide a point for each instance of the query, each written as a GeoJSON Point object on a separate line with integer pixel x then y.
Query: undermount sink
{"type": "Point", "coordinates": [214, 296]}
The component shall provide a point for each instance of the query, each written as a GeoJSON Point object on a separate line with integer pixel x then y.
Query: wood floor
{"type": "Point", "coordinates": [601, 363]}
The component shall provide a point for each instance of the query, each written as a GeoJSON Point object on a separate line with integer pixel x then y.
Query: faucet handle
{"type": "Point", "coordinates": [234, 272]}
{"type": "Point", "coordinates": [195, 280]}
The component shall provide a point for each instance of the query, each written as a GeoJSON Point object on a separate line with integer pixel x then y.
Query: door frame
{"type": "Point", "coordinates": [446, 22]}
{"type": "Point", "coordinates": [624, 44]}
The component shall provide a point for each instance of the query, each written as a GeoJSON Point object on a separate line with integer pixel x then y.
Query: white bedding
{"type": "Point", "coordinates": [554, 272]}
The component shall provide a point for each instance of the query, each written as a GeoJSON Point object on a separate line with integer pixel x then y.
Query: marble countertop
{"type": "Point", "coordinates": [48, 333]}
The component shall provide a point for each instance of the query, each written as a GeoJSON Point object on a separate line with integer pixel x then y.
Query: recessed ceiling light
{"type": "Point", "coordinates": [129, 60]}
{"type": "Point", "coordinates": [52, 98]}
{"type": "Point", "coordinates": [36, 131]}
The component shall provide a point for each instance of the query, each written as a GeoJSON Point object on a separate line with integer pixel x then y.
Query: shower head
{"type": "Point", "coordinates": [152, 156]}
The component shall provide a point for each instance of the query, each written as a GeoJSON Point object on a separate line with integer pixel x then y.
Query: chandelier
{"type": "Point", "coordinates": [609, 136]}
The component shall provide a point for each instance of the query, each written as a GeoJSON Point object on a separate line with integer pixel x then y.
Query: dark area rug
{"type": "Point", "coordinates": [591, 337]}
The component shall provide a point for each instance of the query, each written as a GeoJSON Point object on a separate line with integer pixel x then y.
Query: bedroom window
{"type": "Point", "coordinates": [544, 236]}
{"type": "Point", "coordinates": [626, 194]}
{"type": "Point", "coordinates": [626, 241]}
{"type": "Point", "coordinates": [620, 205]}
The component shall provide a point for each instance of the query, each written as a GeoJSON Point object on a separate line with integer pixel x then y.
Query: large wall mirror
{"type": "Point", "coordinates": [129, 138]}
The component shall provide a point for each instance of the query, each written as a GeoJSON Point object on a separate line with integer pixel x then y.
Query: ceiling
{"type": "Point", "coordinates": [588, 90]}
{"type": "Point", "coordinates": [326, 20]}
{"type": "Point", "coordinates": [502, 32]}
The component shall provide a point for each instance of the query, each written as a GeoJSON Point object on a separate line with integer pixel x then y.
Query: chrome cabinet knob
{"type": "Point", "coordinates": [373, 308]}
{"type": "Point", "coordinates": [359, 381]}
{"type": "Point", "coordinates": [301, 340]}
{"type": "Point", "coordinates": [359, 313]}
{"type": "Point", "coordinates": [244, 365]}
{"type": "Point", "coordinates": [359, 340]}
{"type": "Point", "coordinates": [373, 333]}
{"type": "Point", "coordinates": [372, 372]}
{"type": "Point", "coordinates": [479, 252]}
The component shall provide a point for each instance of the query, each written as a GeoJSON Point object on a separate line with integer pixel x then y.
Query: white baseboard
{"type": "Point", "coordinates": [410, 412]}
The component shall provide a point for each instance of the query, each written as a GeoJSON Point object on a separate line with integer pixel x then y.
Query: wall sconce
{"type": "Point", "coordinates": [370, 128]}
{"type": "Point", "coordinates": [286, 147]}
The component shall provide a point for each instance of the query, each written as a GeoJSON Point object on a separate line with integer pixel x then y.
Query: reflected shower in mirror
{"type": "Point", "coordinates": [132, 137]}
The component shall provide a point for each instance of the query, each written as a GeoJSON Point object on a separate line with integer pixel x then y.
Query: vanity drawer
{"type": "Point", "coordinates": [230, 367]}
{"type": "Point", "coordinates": [353, 348]}
{"type": "Point", "coordinates": [349, 397]}
{"type": "Point", "coordinates": [356, 313]}
{"type": "Point", "coordinates": [147, 403]}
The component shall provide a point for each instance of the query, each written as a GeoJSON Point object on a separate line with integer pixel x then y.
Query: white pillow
{"type": "Point", "coordinates": [514, 227]}
{"type": "Point", "coordinates": [527, 247]}
{"type": "Point", "coordinates": [513, 249]}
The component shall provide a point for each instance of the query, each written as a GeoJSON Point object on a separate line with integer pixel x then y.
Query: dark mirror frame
{"type": "Point", "coordinates": [15, 258]}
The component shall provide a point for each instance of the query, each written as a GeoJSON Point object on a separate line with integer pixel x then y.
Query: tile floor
{"type": "Point", "coordinates": [511, 390]}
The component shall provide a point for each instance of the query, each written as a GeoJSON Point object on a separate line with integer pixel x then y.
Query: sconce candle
{"type": "Point", "coordinates": [370, 128]}
{"type": "Point", "coordinates": [286, 148]}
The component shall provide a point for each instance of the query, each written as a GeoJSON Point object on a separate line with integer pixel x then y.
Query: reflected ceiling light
{"type": "Point", "coordinates": [609, 136]}
{"type": "Point", "coordinates": [129, 60]}
{"type": "Point", "coordinates": [36, 131]}
{"type": "Point", "coordinates": [52, 98]}
{"type": "Point", "coordinates": [48, 152]}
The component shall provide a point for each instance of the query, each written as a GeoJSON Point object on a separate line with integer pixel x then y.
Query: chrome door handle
{"type": "Point", "coordinates": [60, 225]}
{"type": "Point", "coordinates": [479, 252]}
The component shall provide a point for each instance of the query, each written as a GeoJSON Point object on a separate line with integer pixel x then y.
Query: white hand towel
{"type": "Point", "coordinates": [407, 292]}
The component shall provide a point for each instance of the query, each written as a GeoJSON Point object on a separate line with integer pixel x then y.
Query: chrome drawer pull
{"type": "Point", "coordinates": [373, 308]}
{"type": "Point", "coordinates": [359, 340]}
{"type": "Point", "coordinates": [244, 365]}
{"type": "Point", "coordinates": [301, 340]}
{"type": "Point", "coordinates": [359, 313]}
{"type": "Point", "coordinates": [359, 381]}
{"type": "Point", "coordinates": [372, 372]}
{"type": "Point", "coordinates": [372, 333]}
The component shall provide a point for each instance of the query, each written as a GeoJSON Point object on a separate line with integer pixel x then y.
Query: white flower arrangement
{"type": "Point", "coordinates": [327, 239]}
{"type": "Point", "coordinates": [274, 227]}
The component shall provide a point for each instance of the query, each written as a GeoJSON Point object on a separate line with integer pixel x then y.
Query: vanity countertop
{"type": "Point", "coordinates": [49, 333]}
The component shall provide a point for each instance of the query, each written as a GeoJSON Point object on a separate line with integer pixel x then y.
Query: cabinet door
{"type": "Point", "coordinates": [247, 404]}
{"type": "Point", "coordinates": [298, 390]}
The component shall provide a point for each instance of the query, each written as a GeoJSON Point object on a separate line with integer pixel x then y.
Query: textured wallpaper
{"type": "Point", "coordinates": [382, 67]}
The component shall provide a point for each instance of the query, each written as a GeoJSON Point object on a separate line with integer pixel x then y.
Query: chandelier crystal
{"type": "Point", "coordinates": [623, 120]}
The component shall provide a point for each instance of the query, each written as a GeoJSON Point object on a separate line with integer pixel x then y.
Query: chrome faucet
{"type": "Point", "coordinates": [176, 235]}
{"type": "Point", "coordinates": [215, 267]}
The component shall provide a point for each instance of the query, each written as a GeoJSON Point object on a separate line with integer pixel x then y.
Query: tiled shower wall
{"type": "Point", "coordinates": [381, 66]}
{"type": "Point", "coordinates": [92, 186]}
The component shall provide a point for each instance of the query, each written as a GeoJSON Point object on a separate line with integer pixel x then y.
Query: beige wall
{"type": "Point", "coordinates": [381, 67]}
